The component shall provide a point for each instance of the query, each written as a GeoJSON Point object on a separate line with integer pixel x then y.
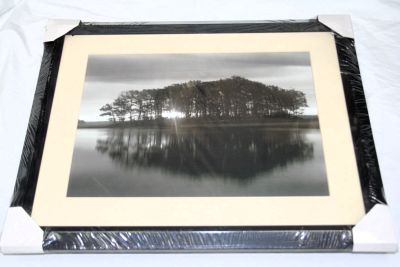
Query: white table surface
{"type": "Point", "coordinates": [377, 33]}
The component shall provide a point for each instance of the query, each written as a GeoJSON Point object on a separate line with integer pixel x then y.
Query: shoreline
{"type": "Point", "coordinates": [166, 124]}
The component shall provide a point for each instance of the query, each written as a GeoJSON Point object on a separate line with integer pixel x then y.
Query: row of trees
{"type": "Point", "coordinates": [231, 98]}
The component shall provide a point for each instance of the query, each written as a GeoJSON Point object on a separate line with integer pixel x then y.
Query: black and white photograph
{"type": "Point", "coordinates": [198, 125]}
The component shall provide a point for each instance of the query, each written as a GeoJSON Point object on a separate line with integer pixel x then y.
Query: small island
{"type": "Point", "coordinates": [233, 101]}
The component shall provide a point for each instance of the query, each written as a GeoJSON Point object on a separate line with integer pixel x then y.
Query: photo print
{"type": "Point", "coordinates": [198, 125]}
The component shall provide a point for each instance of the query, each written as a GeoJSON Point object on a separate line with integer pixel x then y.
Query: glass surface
{"type": "Point", "coordinates": [222, 161]}
{"type": "Point", "coordinates": [169, 125]}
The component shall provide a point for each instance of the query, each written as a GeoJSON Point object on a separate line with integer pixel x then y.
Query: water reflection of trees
{"type": "Point", "coordinates": [229, 152]}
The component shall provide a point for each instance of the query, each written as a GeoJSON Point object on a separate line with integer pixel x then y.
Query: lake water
{"type": "Point", "coordinates": [215, 161]}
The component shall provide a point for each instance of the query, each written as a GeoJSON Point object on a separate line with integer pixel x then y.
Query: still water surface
{"type": "Point", "coordinates": [221, 161]}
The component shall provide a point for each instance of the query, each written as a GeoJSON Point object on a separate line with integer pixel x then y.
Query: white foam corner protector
{"type": "Point", "coordinates": [56, 28]}
{"type": "Point", "coordinates": [21, 235]}
{"type": "Point", "coordinates": [338, 23]}
{"type": "Point", "coordinates": [375, 232]}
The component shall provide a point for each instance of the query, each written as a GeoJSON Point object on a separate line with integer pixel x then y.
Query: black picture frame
{"type": "Point", "coordinates": [199, 239]}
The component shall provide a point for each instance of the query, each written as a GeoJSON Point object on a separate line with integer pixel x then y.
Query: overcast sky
{"type": "Point", "coordinates": [108, 75]}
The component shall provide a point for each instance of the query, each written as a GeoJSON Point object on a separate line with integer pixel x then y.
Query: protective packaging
{"type": "Point", "coordinates": [204, 239]}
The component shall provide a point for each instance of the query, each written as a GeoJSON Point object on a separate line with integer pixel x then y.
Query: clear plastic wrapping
{"type": "Point", "coordinates": [126, 239]}
{"type": "Point", "coordinates": [364, 147]}
{"type": "Point", "coordinates": [249, 240]}
{"type": "Point", "coordinates": [28, 171]}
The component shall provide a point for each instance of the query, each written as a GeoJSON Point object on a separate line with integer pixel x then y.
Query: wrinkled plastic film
{"type": "Point", "coordinates": [197, 240]}
{"type": "Point", "coordinates": [28, 170]}
{"type": "Point", "coordinates": [91, 28]}
{"type": "Point", "coordinates": [367, 161]}
{"type": "Point", "coordinates": [114, 239]}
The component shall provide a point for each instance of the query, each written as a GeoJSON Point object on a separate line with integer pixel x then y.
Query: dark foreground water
{"type": "Point", "coordinates": [228, 161]}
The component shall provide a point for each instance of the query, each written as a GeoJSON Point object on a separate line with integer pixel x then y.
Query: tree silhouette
{"type": "Point", "coordinates": [120, 107]}
{"type": "Point", "coordinates": [227, 99]}
{"type": "Point", "coordinates": [108, 110]}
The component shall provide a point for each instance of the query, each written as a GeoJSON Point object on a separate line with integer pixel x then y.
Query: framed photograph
{"type": "Point", "coordinates": [180, 137]}
{"type": "Point", "coordinates": [197, 131]}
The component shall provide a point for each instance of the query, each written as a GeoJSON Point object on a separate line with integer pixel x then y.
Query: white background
{"type": "Point", "coordinates": [377, 34]}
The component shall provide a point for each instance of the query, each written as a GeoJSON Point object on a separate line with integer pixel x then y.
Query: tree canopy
{"type": "Point", "coordinates": [231, 98]}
